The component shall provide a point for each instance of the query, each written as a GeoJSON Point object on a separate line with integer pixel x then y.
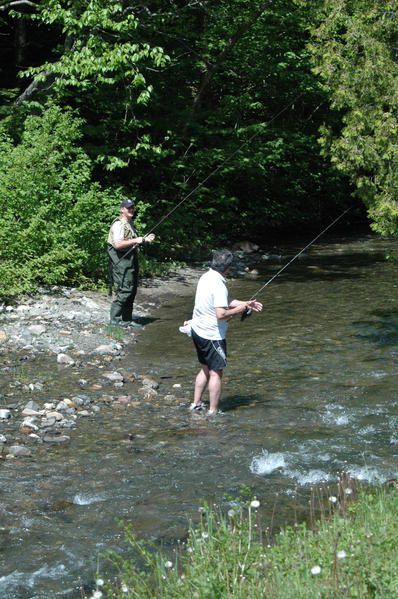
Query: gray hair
{"type": "Point", "coordinates": [222, 260]}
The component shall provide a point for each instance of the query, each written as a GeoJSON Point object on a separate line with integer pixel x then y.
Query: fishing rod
{"type": "Point", "coordinates": [214, 171]}
{"type": "Point", "coordinates": [248, 311]}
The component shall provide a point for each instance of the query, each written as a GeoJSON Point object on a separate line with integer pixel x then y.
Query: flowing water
{"type": "Point", "coordinates": [310, 391]}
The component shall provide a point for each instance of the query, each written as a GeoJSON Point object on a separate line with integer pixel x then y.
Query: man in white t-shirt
{"type": "Point", "coordinates": [209, 325]}
{"type": "Point", "coordinates": [123, 244]}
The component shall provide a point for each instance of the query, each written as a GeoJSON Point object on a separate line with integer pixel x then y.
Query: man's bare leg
{"type": "Point", "coordinates": [202, 378]}
{"type": "Point", "coordinates": [214, 390]}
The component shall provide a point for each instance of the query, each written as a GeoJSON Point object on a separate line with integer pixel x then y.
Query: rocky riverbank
{"type": "Point", "coordinates": [60, 340]}
{"type": "Point", "coordinates": [60, 361]}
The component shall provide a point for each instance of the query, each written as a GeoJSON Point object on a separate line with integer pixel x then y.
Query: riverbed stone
{"type": "Point", "coordinates": [65, 359]}
{"type": "Point", "coordinates": [37, 329]}
{"type": "Point", "coordinates": [150, 383]}
{"type": "Point", "coordinates": [56, 439]}
{"type": "Point", "coordinates": [61, 406]}
{"type": "Point", "coordinates": [3, 337]}
{"type": "Point", "coordinates": [19, 451]}
{"type": "Point", "coordinates": [57, 415]}
{"type": "Point", "coordinates": [31, 406]}
{"type": "Point", "coordinates": [102, 350]}
{"type": "Point", "coordinates": [3, 439]}
{"type": "Point", "coordinates": [113, 376]}
{"type": "Point", "coordinates": [5, 414]}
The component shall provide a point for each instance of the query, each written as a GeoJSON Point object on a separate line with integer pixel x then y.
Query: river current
{"type": "Point", "coordinates": [310, 391]}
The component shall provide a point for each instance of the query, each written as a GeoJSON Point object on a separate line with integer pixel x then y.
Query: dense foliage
{"type": "Point", "coordinates": [164, 94]}
{"type": "Point", "coordinates": [355, 48]}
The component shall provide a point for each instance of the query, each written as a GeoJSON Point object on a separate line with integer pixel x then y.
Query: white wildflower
{"type": "Point", "coordinates": [168, 564]}
{"type": "Point", "coordinates": [231, 513]}
{"type": "Point", "coordinates": [255, 503]}
{"type": "Point", "coordinates": [341, 554]}
{"type": "Point", "coordinates": [315, 570]}
{"type": "Point", "coordinates": [96, 595]}
{"type": "Point", "coordinates": [125, 588]}
{"type": "Point", "coordinates": [99, 582]}
{"type": "Point", "coordinates": [348, 491]}
{"type": "Point", "coordinates": [333, 499]}
{"type": "Point", "coordinates": [205, 535]}
{"type": "Point", "coordinates": [189, 550]}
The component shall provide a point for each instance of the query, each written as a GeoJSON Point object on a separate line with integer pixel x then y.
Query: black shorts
{"type": "Point", "coordinates": [212, 354]}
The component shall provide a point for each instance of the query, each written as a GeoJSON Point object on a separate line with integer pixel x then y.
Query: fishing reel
{"type": "Point", "coordinates": [248, 312]}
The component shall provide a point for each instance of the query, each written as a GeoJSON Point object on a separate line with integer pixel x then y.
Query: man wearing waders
{"type": "Point", "coordinates": [123, 244]}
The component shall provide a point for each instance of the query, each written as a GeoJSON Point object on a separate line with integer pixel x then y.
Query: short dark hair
{"type": "Point", "coordinates": [222, 260]}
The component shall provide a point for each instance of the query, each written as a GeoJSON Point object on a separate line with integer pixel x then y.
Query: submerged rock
{"type": "Point", "coordinates": [19, 451]}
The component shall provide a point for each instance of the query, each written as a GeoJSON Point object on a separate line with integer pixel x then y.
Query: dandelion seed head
{"type": "Point", "coordinates": [348, 491]}
{"type": "Point", "coordinates": [255, 503]}
{"type": "Point", "coordinates": [168, 564]}
{"type": "Point", "coordinates": [99, 582]}
{"type": "Point", "coordinates": [231, 513]}
{"type": "Point", "coordinates": [333, 499]}
{"type": "Point", "coordinates": [125, 588]}
{"type": "Point", "coordinates": [205, 535]}
{"type": "Point", "coordinates": [96, 595]}
{"type": "Point", "coordinates": [315, 570]}
{"type": "Point", "coordinates": [341, 554]}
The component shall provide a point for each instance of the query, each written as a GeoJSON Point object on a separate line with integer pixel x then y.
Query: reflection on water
{"type": "Point", "coordinates": [310, 391]}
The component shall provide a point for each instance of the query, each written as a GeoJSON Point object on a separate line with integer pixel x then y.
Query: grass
{"type": "Point", "coordinates": [351, 550]}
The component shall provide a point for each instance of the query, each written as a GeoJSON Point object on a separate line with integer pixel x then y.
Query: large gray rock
{"type": "Point", "coordinates": [37, 329]}
{"type": "Point", "coordinates": [19, 451]}
{"type": "Point", "coordinates": [65, 359]}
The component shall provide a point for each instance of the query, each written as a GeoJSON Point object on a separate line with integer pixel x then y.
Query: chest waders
{"type": "Point", "coordinates": [125, 276]}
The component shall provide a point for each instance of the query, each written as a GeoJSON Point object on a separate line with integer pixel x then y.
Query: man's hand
{"type": "Point", "coordinates": [254, 305]}
{"type": "Point", "coordinates": [149, 238]}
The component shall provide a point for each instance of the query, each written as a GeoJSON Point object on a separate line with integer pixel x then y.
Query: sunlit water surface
{"type": "Point", "coordinates": [310, 391]}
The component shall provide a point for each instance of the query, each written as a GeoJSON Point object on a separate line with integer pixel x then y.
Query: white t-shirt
{"type": "Point", "coordinates": [211, 293]}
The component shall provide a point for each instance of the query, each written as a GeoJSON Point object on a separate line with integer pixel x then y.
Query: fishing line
{"type": "Point", "coordinates": [214, 171]}
{"type": "Point", "coordinates": [248, 310]}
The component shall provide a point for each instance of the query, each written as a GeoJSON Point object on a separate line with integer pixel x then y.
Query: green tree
{"type": "Point", "coordinates": [53, 218]}
{"type": "Point", "coordinates": [355, 52]}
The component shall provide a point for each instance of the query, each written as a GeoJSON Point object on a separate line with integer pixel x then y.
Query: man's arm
{"type": "Point", "coordinates": [238, 307]}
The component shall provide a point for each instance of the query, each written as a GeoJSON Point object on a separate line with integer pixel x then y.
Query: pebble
{"type": "Point", "coordinates": [65, 359]}
{"type": "Point", "coordinates": [3, 439]}
{"type": "Point", "coordinates": [104, 349]}
{"type": "Point", "coordinates": [5, 414]}
{"type": "Point", "coordinates": [113, 376]}
{"type": "Point", "coordinates": [56, 439]}
{"type": "Point", "coordinates": [3, 337]}
{"type": "Point", "coordinates": [19, 451]}
{"type": "Point", "coordinates": [151, 383]}
{"type": "Point", "coordinates": [37, 329]}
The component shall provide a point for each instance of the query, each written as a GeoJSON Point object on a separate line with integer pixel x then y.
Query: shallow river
{"type": "Point", "coordinates": [310, 391]}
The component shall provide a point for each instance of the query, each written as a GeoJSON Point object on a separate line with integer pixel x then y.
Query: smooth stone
{"type": "Point", "coordinates": [65, 359]}
{"type": "Point", "coordinates": [104, 349]}
{"type": "Point", "coordinates": [151, 383]}
{"type": "Point", "coordinates": [56, 439]}
{"type": "Point", "coordinates": [3, 439]}
{"type": "Point", "coordinates": [124, 399]}
{"type": "Point", "coordinates": [19, 451]}
{"type": "Point", "coordinates": [56, 415]}
{"type": "Point", "coordinates": [3, 337]}
{"type": "Point", "coordinates": [32, 405]}
{"type": "Point", "coordinates": [113, 376]}
{"type": "Point", "coordinates": [5, 414]}
{"type": "Point", "coordinates": [49, 406]}
{"type": "Point", "coordinates": [48, 422]}
{"type": "Point", "coordinates": [84, 413]}
{"type": "Point", "coordinates": [29, 412]}
{"type": "Point", "coordinates": [61, 406]}
{"type": "Point", "coordinates": [37, 329]}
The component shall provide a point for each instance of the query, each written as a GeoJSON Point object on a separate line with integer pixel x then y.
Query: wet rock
{"type": "Point", "coordinates": [61, 406]}
{"type": "Point", "coordinates": [31, 406]}
{"type": "Point", "coordinates": [102, 350]}
{"type": "Point", "coordinates": [3, 439]}
{"type": "Point", "coordinates": [247, 247]}
{"type": "Point", "coordinates": [37, 329]}
{"type": "Point", "coordinates": [48, 422]}
{"type": "Point", "coordinates": [147, 392]}
{"type": "Point", "coordinates": [29, 425]}
{"type": "Point", "coordinates": [84, 413]}
{"type": "Point", "coordinates": [56, 439]}
{"type": "Point", "coordinates": [5, 414]}
{"type": "Point", "coordinates": [57, 415]}
{"type": "Point", "coordinates": [49, 406]}
{"type": "Point", "coordinates": [19, 451]}
{"type": "Point", "coordinates": [113, 376]}
{"type": "Point", "coordinates": [65, 359]}
{"type": "Point", "coordinates": [124, 399]}
{"type": "Point", "coordinates": [150, 383]}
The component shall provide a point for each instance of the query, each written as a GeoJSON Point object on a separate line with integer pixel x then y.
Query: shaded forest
{"type": "Point", "coordinates": [292, 103]}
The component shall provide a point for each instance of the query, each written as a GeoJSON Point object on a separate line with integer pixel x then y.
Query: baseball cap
{"type": "Point", "coordinates": [127, 204]}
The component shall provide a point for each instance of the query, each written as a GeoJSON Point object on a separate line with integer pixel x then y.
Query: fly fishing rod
{"type": "Point", "coordinates": [248, 311]}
